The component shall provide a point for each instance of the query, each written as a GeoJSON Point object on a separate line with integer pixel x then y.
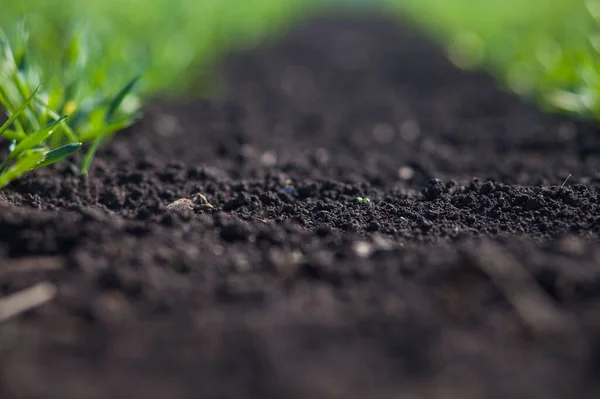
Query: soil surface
{"type": "Point", "coordinates": [373, 223]}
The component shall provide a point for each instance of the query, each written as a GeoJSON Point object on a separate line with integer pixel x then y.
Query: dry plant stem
{"type": "Point", "coordinates": [566, 180]}
{"type": "Point", "coordinates": [25, 300]}
{"type": "Point", "coordinates": [32, 264]}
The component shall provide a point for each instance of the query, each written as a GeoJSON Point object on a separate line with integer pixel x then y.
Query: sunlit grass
{"type": "Point", "coordinates": [84, 68]}
{"type": "Point", "coordinates": [548, 50]}
{"type": "Point", "coordinates": [172, 41]}
{"type": "Point", "coordinates": [47, 126]}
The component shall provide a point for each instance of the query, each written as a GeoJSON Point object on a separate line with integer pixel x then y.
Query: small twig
{"type": "Point", "coordinates": [32, 264]}
{"type": "Point", "coordinates": [561, 186]}
{"type": "Point", "coordinates": [565, 182]}
{"type": "Point", "coordinates": [26, 299]}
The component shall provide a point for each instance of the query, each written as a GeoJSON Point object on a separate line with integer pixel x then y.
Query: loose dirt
{"type": "Point", "coordinates": [470, 272]}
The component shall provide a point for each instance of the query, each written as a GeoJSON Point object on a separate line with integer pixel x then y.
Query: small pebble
{"type": "Point", "coordinates": [406, 173]}
{"type": "Point", "coordinates": [181, 205]}
{"type": "Point", "coordinates": [198, 203]}
{"type": "Point", "coordinates": [362, 248]}
{"type": "Point", "coordinates": [269, 159]}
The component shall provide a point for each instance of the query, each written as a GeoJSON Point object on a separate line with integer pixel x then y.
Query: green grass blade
{"type": "Point", "coordinates": [18, 112]}
{"type": "Point", "coordinates": [22, 166]}
{"type": "Point", "coordinates": [10, 134]}
{"type": "Point", "coordinates": [35, 139]}
{"type": "Point", "coordinates": [4, 101]}
{"type": "Point", "coordinates": [59, 154]}
{"type": "Point", "coordinates": [89, 156]}
{"type": "Point", "coordinates": [65, 126]}
{"type": "Point", "coordinates": [101, 133]}
{"type": "Point", "coordinates": [5, 49]}
{"type": "Point", "coordinates": [116, 102]}
{"type": "Point", "coordinates": [29, 114]}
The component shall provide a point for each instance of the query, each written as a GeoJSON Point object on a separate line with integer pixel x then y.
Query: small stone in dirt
{"type": "Point", "coordinates": [406, 173]}
{"type": "Point", "coordinates": [268, 159]}
{"type": "Point", "coordinates": [362, 248]}
{"type": "Point", "coordinates": [197, 203]}
{"type": "Point", "coordinates": [201, 202]}
{"type": "Point", "coordinates": [181, 205]}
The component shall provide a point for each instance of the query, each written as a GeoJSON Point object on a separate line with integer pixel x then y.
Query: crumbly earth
{"type": "Point", "coordinates": [471, 272]}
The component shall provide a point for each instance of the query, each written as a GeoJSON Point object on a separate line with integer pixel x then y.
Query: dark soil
{"type": "Point", "coordinates": [471, 273]}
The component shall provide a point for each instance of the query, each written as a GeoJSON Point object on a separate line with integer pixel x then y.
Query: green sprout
{"type": "Point", "coordinates": [362, 200]}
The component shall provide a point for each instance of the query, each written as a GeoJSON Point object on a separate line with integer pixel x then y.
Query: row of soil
{"type": "Point", "coordinates": [373, 223]}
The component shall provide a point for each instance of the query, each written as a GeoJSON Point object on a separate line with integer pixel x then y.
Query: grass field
{"type": "Point", "coordinates": [548, 50]}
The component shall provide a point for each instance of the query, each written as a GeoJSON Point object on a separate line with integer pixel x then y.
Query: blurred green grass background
{"type": "Point", "coordinates": [545, 49]}
{"type": "Point", "coordinates": [168, 40]}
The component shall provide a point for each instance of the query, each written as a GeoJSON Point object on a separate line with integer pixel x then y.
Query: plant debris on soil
{"type": "Point", "coordinates": [218, 249]}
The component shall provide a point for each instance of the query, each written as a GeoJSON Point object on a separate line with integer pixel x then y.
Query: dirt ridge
{"type": "Point", "coordinates": [292, 285]}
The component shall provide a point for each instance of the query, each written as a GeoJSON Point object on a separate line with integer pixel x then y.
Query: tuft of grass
{"type": "Point", "coordinates": [49, 123]}
{"type": "Point", "coordinates": [71, 71]}
{"type": "Point", "coordinates": [548, 51]}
